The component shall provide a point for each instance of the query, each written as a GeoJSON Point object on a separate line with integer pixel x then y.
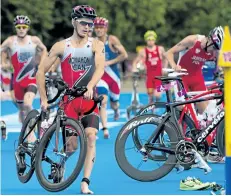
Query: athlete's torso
{"type": "Point", "coordinates": [77, 64]}
{"type": "Point", "coordinates": [194, 58]}
{"type": "Point", "coordinates": [153, 61]}
{"type": "Point", "coordinates": [24, 60]}
{"type": "Point", "coordinates": [109, 55]}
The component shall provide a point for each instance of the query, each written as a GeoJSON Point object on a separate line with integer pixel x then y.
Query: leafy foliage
{"type": "Point", "coordinates": [129, 19]}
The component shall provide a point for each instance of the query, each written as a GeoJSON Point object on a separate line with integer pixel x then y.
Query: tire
{"type": "Point", "coordinates": [122, 161]}
{"type": "Point", "coordinates": [79, 165]}
{"type": "Point", "coordinates": [150, 107]}
{"type": "Point", "coordinates": [32, 114]}
{"type": "Point", "coordinates": [220, 138]}
{"type": "Point", "coordinates": [186, 119]}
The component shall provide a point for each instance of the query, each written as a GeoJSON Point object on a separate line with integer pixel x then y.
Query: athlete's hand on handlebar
{"type": "Point", "coordinates": [177, 68]}
{"type": "Point", "coordinates": [44, 105]}
{"type": "Point", "coordinates": [89, 93]}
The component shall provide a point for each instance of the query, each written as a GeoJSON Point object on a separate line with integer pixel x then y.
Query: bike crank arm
{"type": "Point", "coordinates": [162, 149]}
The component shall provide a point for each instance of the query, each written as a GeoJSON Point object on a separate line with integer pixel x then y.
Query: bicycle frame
{"type": "Point", "coordinates": [188, 109]}
{"type": "Point", "coordinates": [171, 118]}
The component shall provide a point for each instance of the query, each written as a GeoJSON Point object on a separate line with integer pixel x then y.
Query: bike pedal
{"type": "Point", "coordinates": [53, 172]}
{"type": "Point", "coordinates": [50, 176]}
{"type": "Point", "coordinates": [145, 158]}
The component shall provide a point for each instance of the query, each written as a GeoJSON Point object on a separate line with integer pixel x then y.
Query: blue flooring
{"type": "Point", "coordinates": [107, 178]}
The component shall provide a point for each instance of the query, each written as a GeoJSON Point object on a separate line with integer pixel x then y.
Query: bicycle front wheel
{"type": "Point", "coordinates": [220, 138]}
{"type": "Point", "coordinates": [61, 155]}
{"type": "Point", "coordinates": [25, 151]}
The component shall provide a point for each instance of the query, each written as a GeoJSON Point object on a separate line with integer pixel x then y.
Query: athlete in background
{"type": "Point", "coordinates": [194, 51]}
{"type": "Point", "coordinates": [153, 57]}
{"type": "Point", "coordinates": [25, 52]}
{"type": "Point", "coordinates": [109, 85]}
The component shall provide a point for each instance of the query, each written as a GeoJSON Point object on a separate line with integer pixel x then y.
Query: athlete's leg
{"type": "Point", "coordinates": [29, 96]}
{"type": "Point", "coordinates": [103, 115]}
{"type": "Point", "coordinates": [150, 90]}
{"type": "Point", "coordinates": [19, 97]}
{"type": "Point", "coordinates": [27, 107]}
{"type": "Point", "coordinates": [13, 96]}
{"type": "Point", "coordinates": [91, 125]}
{"type": "Point", "coordinates": [199, 85]}
{"type": "Point", "coordinates": [114, 91]}
{"type": "Point", "coordinates": [157, 94]}
{"type": "Point", "coordinates": [90, 159]}
{"type": "Point", "coordinates": [12, 90]}
{"type": "Point", "coordinates": [115, 106]}
{"type": "Point", "coordinates": [102, 89]}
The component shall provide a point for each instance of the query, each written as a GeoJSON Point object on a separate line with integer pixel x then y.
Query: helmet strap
{"type": "Point", "coordinates": [206, 46]}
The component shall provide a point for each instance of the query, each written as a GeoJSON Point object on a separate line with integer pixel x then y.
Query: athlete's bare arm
{"type": "Point", "coordinates": [40, 47]}
{"type": "Point", "coordinates": [118, 47]}
{"type": "Point", "coordinates": [139, 58]}
{"type": "Point", "coordinates": [6, 44]}
{"type": "Point", "coordinates": [55, 52]}
{"type": "Point", "coordinates": [163, 57]}
{"type": "Point", "coordinates": [5, 63]}
{"type": "Point", "coordinates": [182, 45]}
{"type": "Point", "coordinates": [5, 47]}
{"type": "Point", "coordinates": [55, 65]}
{"type": "Point", "coordinates": [98, 49]}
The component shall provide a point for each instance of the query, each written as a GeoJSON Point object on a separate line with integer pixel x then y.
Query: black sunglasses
{"type": "Point", "coordinates": [83, 23]}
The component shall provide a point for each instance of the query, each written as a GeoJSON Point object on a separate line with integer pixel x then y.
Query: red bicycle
{"type": "Point", "coordinates": [187, 115]}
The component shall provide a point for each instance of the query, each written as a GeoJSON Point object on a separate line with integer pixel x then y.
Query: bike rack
{"type": "Point", "coordinates": [135, 104]}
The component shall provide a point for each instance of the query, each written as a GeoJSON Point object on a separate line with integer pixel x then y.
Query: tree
{"type": "Point", "coordinates": [40, 13]}
{"type": "Point", "coordinates": [128, 19]}
{"type": "Point", "coordinates": [187, 17]}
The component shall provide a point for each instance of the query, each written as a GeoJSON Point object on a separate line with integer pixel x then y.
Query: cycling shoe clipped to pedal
{"type": "Point", "coordinates": [20, 162]}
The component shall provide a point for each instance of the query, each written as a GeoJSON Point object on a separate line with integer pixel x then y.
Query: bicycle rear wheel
{"type": "Point", "coordinates": [121, 147]}
{"type": "Point", "coordinates": [187, 123]}
{"type": "Point", "coordinates": [25, 170]}
{"type": "Point", "coordinates": [57, 181]}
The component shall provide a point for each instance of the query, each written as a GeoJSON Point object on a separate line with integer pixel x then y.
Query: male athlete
{"type": "Point", "coordinates": [25, 52]}
{"type": "Point", "coordinates": [194, 51]}
{"type": "Point", "coordinates": [109, 85]}
{"type": "Point", "coordinates": [82, 64]}
{"type": "Point", "coordinates": [153, 57]}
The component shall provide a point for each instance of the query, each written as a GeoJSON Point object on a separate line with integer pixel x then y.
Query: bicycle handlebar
{"type": "Point", "coordinates": [175, 74]}
{"type": "Point", "coordinates": [169, 70]}
{"type": "Point", "coordinates": [75, 91]}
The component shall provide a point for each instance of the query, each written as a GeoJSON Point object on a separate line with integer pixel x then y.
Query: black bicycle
{"type": "Point", "coordinates": [64, 144]}
{"type": "Point", "coordinates": [30, 136]}
{"type": "Point", "coordinates": [171, 150]}
{"type": "Point", "coordinates": [158, 109]}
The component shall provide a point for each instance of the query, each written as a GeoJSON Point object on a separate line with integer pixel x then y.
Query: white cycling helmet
{"type": "Point", "coordinates": [21, 19]}
{"type": "Point", "coordinates": [217, 36]}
